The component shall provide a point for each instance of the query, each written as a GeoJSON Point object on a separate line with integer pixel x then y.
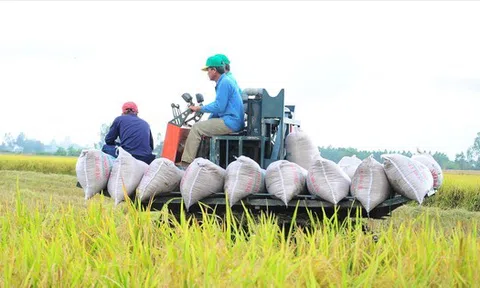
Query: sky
{"type": "Point", "coordinates": [395, 75]}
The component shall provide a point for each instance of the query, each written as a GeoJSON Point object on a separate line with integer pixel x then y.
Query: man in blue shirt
{"type": "Point", "coordinates": [135, 135]}
{"type": "Point", "coordinates": [227, 110]}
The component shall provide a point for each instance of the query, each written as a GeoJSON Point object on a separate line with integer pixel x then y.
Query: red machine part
{"type": "Point", "coordinates": [174, 143]}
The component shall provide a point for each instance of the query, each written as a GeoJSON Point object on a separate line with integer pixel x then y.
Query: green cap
{"type": "Point", "coordinates": [224, 58]}
{"type": "Point", "coordinates": [213, 61]}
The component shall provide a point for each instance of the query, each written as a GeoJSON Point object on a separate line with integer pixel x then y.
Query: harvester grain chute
{"type": "Point", "coordinates": [268, 122]}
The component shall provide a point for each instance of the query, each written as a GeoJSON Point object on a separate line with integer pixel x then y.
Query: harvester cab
{"type": "Point", "coordinates": [268, 122]}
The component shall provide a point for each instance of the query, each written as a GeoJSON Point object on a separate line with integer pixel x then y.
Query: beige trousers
{"type": "Point", "coordinates": [210, 127]}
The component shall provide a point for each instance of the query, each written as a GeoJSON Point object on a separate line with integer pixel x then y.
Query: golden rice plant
{"type": "Point", "coordinates": [50, 244]}
{"type": "Point", "coordinates": [458, 191]}
{"type": "Point", "coordinates": [44, 164]}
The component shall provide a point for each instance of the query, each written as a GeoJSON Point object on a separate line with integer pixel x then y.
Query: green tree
{"type": "Point", "coordinates": [21, 139]}
{"type": "Point", "coordinates": [32, 146]}
{"type": "Point", "coordinates": [473, 153]}
{"type": "Point", "coordinates": [61, 151]}
{"type": "Point", "coordinates": [461, 160]}
{"type": "Point", "coordinates": [442, 159]}
{"type": "Point", "coordinates": [72, 151]}
{"type": "Point", "coordinates": [476, 145]}
{"type": "Point", "coordinates": [9, 140]}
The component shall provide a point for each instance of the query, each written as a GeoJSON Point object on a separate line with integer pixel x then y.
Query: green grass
{"type": "Point", "coordinates": [51, 237]}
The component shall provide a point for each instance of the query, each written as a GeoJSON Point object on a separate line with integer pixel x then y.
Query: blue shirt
{"type": "Point", "coordinates": [228, 104]}
{"type": "Point", "coordinates": [135, 135]}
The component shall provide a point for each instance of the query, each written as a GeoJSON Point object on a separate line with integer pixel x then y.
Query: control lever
{"type": "Point", "coordinates": [198, 115]}
{"type": "Point", "coordinates": [176, 110]}
{"type": "Point", "coordinates": [182, 118]}
{"type": "Point", "coordinates": [199, 98]}
{"type": "Point", "coordinates": [188, 98]}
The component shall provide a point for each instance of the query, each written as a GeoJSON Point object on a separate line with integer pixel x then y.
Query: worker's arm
{"type": "Point", "coordinates": [113, 133]}
{"type": "Point", "coordinates": [213, 115]}
{"type": "Point", "coordinates": [220, 103]}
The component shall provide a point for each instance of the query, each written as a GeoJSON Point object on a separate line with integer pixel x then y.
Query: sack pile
{"type": "Point", "coordinates": [127, 172]}
{"type": "Point", "coordinates": [285, 180]}
{"type": "Point", "coordinates": [427, 160]}
{"type": "Point", "coordinates": [243, 177]}
{"type": "Point", "coordinates": [202, 178]}
{"type": "Point", "coordinates": [367, 181]}
{"type": "Point", "coordinates": [408, 177]}
{"type": "Point", "coordinates": [93, 169]}
{"type": "Point", "coordinates": [370, 185]}
{"type": "Point", "coordinates": [328, 181]}
{"type": "Point", "coordinates": [301, 149]}
{"type": "Point", "coordinates": [349, 165]}
{"type": "Point", "coordinates": [162, 176]}
{"type": "Point", "coordinates": [125, 176]}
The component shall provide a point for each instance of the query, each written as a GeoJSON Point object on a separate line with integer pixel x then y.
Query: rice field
{"type": "Point", "coordinates": [44, 164]}
{"type": "Point", "coordinates": [50, 236]}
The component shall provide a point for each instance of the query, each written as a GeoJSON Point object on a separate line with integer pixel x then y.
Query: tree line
{"type": "Point", "coordinates": [23, 145]}
{"type": "Point", "coordinates": [469, 160]}
{"type": "Point", "coordinates": [463, 161]}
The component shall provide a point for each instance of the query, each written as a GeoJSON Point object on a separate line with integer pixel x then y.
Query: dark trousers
{"type": "Point", "coordinates": [112, 150]}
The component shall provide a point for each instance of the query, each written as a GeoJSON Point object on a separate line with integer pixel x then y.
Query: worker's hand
{"type": "Point", "coordinates": [195, 108]}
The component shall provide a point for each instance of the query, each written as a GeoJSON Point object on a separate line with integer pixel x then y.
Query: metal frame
{"type": "Point", "coordinates": [214, 154]}
{"type": "Point", "coordinates": [267, 123]}
{"type": "Point", "coordinates": [266, 202]}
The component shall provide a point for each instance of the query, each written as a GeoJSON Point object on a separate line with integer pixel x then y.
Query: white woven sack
{"type": "Point", "coordinates": [300, 148]}
{"type": "Point", "coordinates": [202, 178]}
{"type": "Point", "coordinates": [93, 169]}
{"type": "Point", "coordinates": [328, 181]}
{"type": "Point", "coordinates": [408, 177]}
{"type": "Point", "coordinates": [162, 176]}
{"type": "Point", "coordinates": [285, 180]}
{"type": "Point", "coordinates": [349, 164]}
{"type": "Point", "coordinates": [432, 165]}
{"type": "Point", "coordinates": [243, 177]}
{"type": "Point", "coordinates": [370, 185]}
{"type": "Point", "coordinates": [127, 172]}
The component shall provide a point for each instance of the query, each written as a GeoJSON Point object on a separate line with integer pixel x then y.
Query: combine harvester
{"type": "Point", "coordinates": [268, 123]}
{"type": "Point", "coordinates": [281, 174]}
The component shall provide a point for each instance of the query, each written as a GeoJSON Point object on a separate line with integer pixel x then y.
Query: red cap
{"type": "Point", "coordinates": [129, 105]}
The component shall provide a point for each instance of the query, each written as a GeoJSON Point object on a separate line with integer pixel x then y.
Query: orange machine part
{"type": "Point", "coordinates": [174, 142]}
